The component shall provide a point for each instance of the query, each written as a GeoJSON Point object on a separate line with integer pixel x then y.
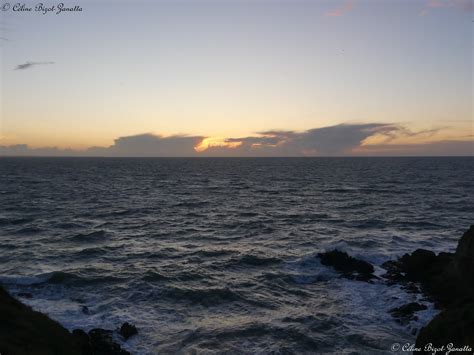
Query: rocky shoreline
{"type": "Point", "coordinates": [25, 331]}
{"type": "Point", "coordinates": [446, 279]}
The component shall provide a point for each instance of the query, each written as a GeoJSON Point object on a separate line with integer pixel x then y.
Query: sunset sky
{"type": "Point", "coordinates": [246, 77]}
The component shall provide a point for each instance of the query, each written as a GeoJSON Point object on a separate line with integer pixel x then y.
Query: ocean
{"type": "Point", "coordinates": [219, 255]}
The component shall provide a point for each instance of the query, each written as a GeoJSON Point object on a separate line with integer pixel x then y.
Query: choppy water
{"type": "Point", "coordinates": [219, 255]}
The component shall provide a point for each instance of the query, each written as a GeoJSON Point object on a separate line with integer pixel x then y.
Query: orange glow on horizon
{"type": "Point", "coordinates": [210, 142]}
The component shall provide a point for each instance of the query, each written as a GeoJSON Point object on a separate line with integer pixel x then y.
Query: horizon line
{"type": "Point", "coordinates": [234, 157]}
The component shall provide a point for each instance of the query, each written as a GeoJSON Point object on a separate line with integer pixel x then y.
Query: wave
{"type": "Point", "coordinates": [192, 204]}
{"type": "Point", "coordinates": [90, 237]}
{"type": "Point", "coordinates": [15, 221]}
{"type": "Point", "coordinates": [91, 252]}
{"type": "Point", "coordinates": [248, 214]}
{"type": "Point", "coordinates": [153, 276]}
{"type": "Point", "coordinates": [254, 260]}
{"type": "Point", "coordinates": [276, 336]}
{"type": "Point", "coordinates": [205, 297]}
{"type": "Point", "coordinates": [68, 225]}
{"type": "Point", "coordinates": [28, 231]}
{"type": "Point", "coordinates": [214, 253]}
{"type": "Point", "coordinates": [22, 280]}
{"type": "Point", "coordinates": [58, 277]}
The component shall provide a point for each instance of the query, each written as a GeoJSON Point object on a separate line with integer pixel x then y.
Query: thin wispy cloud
{"type": "Point", "coordinates": [463, 5]}
{"type": "Point", "coordinates": [29, 65]}
{"type": "Point", "coordinates": [438, 148]}
{"type": "Point", "coordinates": [401, 132]}
{"type": "Point", "coordinates": [347, 6]}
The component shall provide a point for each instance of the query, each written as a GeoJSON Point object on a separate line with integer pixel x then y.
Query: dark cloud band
{"type": "Point", "coordinates": [338, 140]}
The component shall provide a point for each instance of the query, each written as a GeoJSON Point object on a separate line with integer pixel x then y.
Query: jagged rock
{"type": "Point", "coordinates": [83, 340]}
{"type": "Point", "coordinates": [454, 286]}
{"type": "Point", "coordinates": [25, 331]}
{"type": "Point", "coordinates": [448, 280]}
{"type": "Point", "coordinates": [454, 325]}
{"type": "Point", "coordinates": [127, 330]}
{"type": "Point", "coordinates": [348, 266]}
{"type": "Point", "coordinates": [102, 342]}
{"type": "Point", "coordinates": [405, 313]}
{"type": "Point", "coordinates": [435, 274]}
{"type": "Point", "coordinates": [411, 287]}
{"type": "Point", "coordinates": [416, 264]}
{"type": "Point", "coordinates": [464, 257]}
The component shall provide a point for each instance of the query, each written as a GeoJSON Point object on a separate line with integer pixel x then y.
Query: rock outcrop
{"type": "Point", "coordinates": [454, 325]}
{"type": "Point", "coordinates": [434, 273]}
{"type": "Point", "coordinates": [24, 331]}
{"type": "Point", "coordinates": [347, 265]}
{"type": "Point", "coordinates": [102, 343]}
{"type": "Point", "coordinates": [448, 279]}
{"type": "Point", "coordinates": [455, 290]}
{"type": "Point", "coordinates": [464, 258]}
{"type": "Point", "coordinates": [127, 330]}
{"type": "Point", "coordinates": [406, 313]}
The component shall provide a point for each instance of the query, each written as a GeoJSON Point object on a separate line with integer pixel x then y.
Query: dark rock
{"type": "Point", "coordinates": [25, 331]}
{"type": "Point", "coordinates": [25, 295]}
{"type": "Point", "coordinates": [415, 266]}
{"type": "Point", "coordinates": [448, 280]}
{"type": "Point", "coordinates": [434, 273]}
{"type": "Point", "coordinates": [394, 274]}
{"type": "Point", "coordinates": [405, 313]}
{"type": "Point", "coordinates": [454, 325]}
{"type": "Point", "coordinates": [464, 257]}
{"type": "Point", "coordinates": [453, 288]}
{"type": "Point", "coordinates": [102, 343]}
{"type": "Point", "coordinates": [83, 340]}
{"type": "Point", "coordinates": [411, 287]}
{"type": "Point", "coordinates": [416, 263]}
{"type": "Point", "coordinates": [350, 267]}
{"type": "Point", "coordinates": [127, 330]}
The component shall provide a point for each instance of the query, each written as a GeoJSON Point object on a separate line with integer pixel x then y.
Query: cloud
{"type": "Point", "coordinates": [29, 65]}
{"type": "Point", "coordinates": [464, 5]}
{"type": "Point", "coordinates": [142, 145]}
{"type": "Point", "coordinates": [327, 141]}
{"type": "Point", "coordinates": [401, 131]}
{"type": "Point", "coordinates": [149, 145]}
{"type": "Point", "coordinates": [347, 6]}
{"type": "Point", "coordinates": [338, 140]}
{"type": "Point", "coordinates": [24, 150]}
{"type": "Point", "coordinates": [439, 148]}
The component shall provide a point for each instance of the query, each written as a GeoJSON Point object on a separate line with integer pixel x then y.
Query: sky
{"type": "Point", "coordinates": [238, 78]}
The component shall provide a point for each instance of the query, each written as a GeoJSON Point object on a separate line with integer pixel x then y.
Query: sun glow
{"type": "Point", "coordinates": [213, 142]}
